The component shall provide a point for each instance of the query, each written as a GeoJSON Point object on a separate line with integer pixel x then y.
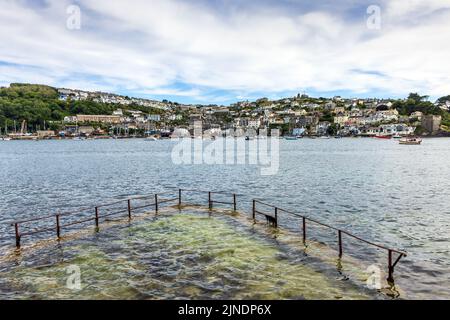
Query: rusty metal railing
{"type": "Point", "coordinates": [95, 214]}
{"type": "Point", "coordinates": [273, 220]}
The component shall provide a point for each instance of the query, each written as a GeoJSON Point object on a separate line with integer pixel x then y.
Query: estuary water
{"type": "Point", "coordinates": [398, 196]}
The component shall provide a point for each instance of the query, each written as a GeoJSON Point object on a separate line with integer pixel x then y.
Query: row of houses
{"type": "Point", "coordinates": [101, 97]}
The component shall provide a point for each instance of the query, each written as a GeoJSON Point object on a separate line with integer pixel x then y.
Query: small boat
{"type": "Point", "coordinates": [324, 137]}
{"type": "Point", "coordinates": [248, 138]}
{"type": "Point", "coordinates": [290, 138]}
{"type": "Point", "coordinates": [410, 141]}
{"type": "Point", "coordinates": [6, 139]}
{"type": "Point", "coordinates": [383, 137]}
{"type": "Point", "coordinates": [338, 137]}
{"type": "Point", "coordinates": [397, 136]}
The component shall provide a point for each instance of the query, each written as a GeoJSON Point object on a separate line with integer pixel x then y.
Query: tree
{"type": "Point", "coordinates": [417, 98]}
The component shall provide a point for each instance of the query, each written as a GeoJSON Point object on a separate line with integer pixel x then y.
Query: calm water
{"type": "Point", "coordinates": [391, 194]}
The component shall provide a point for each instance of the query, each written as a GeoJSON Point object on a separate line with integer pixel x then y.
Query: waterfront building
{"type": "Point", "coordinates": [99, 118]}
{"type": "Point", "coordinates": [396, 129]}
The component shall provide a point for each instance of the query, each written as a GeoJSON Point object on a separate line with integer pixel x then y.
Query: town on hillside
{"type": "Point", "coordinates": [297, 116]}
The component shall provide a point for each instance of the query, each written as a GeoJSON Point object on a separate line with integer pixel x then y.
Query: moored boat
{"type": "Point", "coordinates": [383, 137]}
{"type": "Point", "coordinates": [410, 141]}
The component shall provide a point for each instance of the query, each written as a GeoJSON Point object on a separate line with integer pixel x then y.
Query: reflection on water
{"type": "Point", "coordinates": [190, 256]}
{"type": "Point", "coordinates": [391, 194]}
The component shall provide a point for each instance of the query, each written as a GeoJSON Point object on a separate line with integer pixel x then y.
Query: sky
{"type": "Point", "coordinates": [223, 51]}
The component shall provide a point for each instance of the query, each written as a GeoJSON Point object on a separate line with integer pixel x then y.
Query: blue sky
{"type": "Point", "coordinates": [222, 51]}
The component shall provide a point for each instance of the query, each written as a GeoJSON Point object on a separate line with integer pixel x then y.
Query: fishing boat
{"type": "Point", "coordinates": [410, 141]}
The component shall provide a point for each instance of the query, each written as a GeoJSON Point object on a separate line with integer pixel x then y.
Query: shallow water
{"type": "Point", "coordinates": [189, 255]}
{"type": "Point", "coordinates": [391, 194]}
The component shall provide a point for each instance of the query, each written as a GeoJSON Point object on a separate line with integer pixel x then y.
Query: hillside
{"type": "Point", "coordinates": [39, 103]}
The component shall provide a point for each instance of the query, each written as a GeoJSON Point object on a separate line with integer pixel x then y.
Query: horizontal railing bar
{"type": "Point", "coordinates": [144, 197]}
{"type": "Point", "coordinates": [263, 213]}
{"type": "Point", "coordinates": [221, 202]}
{"type": "Point", "coordinates": [213, 192]}
{"type": "Point", "coordinates": [145, 206]}
{"type": "Point", "coordinates": [265, 204]}
{"type": "Point", "coordinates": [36, 232]}
{"type": "Point", "coordinates": [77, 222]}
{"type": "Point", "coordinates": [374, 244]}
{"type": "Point", "coordinates": [167, 200]}
{"type": "Point", "coordinates": [111, 214]}
{"type": "Point", "coordinates": [111, 204]}
{"type": "Point", "coordinates": [63, 214]}
{"type": "Point", "coordinates": [33, 219]}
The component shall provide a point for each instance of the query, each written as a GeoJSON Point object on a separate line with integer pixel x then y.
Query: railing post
{"type": "Point", "coordinates": [209, 201]}
{"type": "Point", "coordinates": [96, 217]}
{"type": "Point", "coordinates": [391, 268]}
{"type": "Point", "coordinates": [129, 208]}
{"type": "Point", "coordinates": [340, 243]}
{"type": "Point", "coordinates": [179, 197]}
{"type": "Point", "coordinates": [276, 217]}
{"type": "Point", "coordinates": [254, 210]}
{"type": "Point", "coordinates": [16, 227]}
{"type": "Point", "coordinates": [304, 230]}
{"type": "Point", "coordinates": [156, 203]}
{"type": "Point", "coordinates": [58, 227]}
{"type": "Point", "coordinates": [234, 202]}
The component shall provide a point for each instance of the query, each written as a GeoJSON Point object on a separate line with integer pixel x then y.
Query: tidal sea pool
{"type": "Point", "coordinates": [185, 255]}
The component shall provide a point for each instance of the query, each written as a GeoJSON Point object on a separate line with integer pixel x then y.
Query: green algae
{"type": "Point", "coordinates": [179, 256]}
{"type": "Point", "coordinates": [233, 259]}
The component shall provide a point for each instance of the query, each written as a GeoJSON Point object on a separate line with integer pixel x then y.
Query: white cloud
{"type": "Point", "coordinates": [148, 47]}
